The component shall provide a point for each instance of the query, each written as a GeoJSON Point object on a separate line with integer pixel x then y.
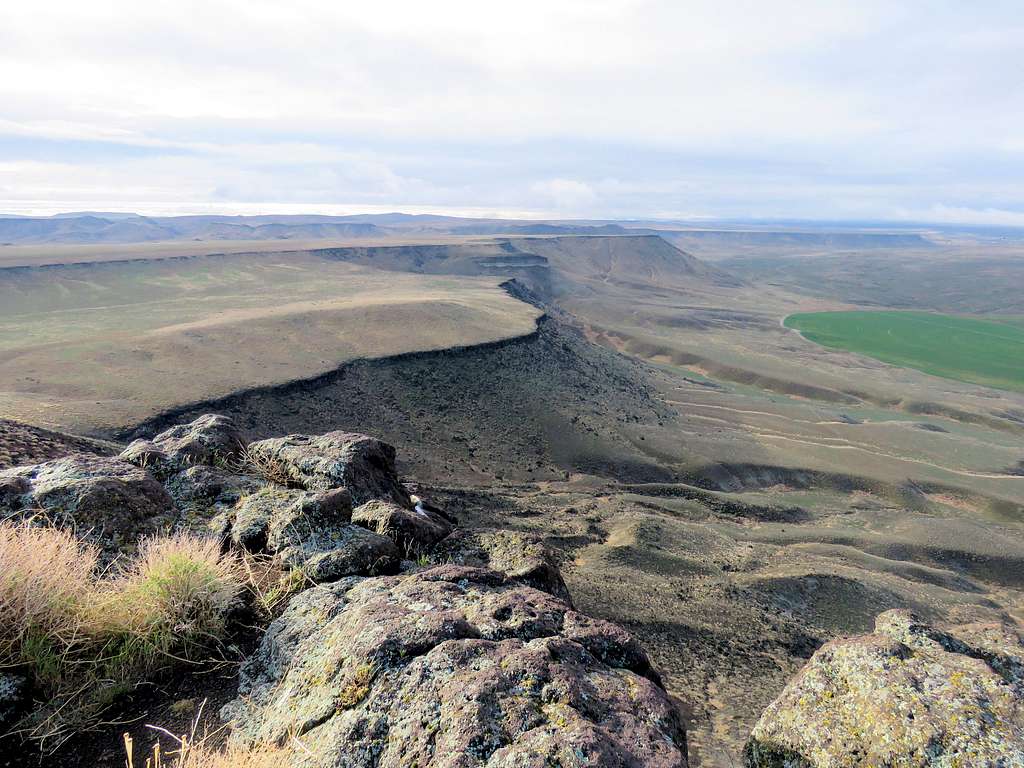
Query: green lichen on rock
{"type": "Point", "coordinates": [907, 695]}
{"type": "Point", "coordinates": [453, 667]}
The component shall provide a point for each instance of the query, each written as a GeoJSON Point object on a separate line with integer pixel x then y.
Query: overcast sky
{"type": "Point", "coordinates": [568, 108]}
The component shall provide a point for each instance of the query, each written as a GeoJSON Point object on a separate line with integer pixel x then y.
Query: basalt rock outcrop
{"type": "Point", "coordinates": [107, 499]}
{"type": "Point", "coordinates": [470, 655]}
{"type": "Point", "coordinates": [210, 440]}
{"type": "Point", "coordinates": [907, 695]}
{"type": "Point", "coordinates": [452, 666]}
{"type": "Point", "coordinates": [204, 491]}
{"type": "Point", "coordinates": [362, 464]}
{"type": "Point", "coordinates": [311, 531]}
{"type": "Point", "coordinates": [415, 531]}
{"type": "Point", "coordinates": [520, 556]}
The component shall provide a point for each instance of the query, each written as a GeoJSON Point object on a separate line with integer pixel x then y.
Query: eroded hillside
{"type": "Point", "coordinates": [733, 494]}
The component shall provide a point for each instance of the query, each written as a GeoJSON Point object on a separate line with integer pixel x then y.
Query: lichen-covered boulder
{"type": "Point", "coordinates": [111, 500]}
{"type": "Point", "coordinates": [415, 531]}
{"type": "Point", "coordinates": [314, 534]}
{"type": "Point", "coordinates": [308, 515]}
{"type": "Point", "coordinates": [522, 557]}
{"type": "Point", "coordinates": [452, 667]}
{"type": "Point", "coordinates": [908, 695]}
{"type": "Point", "coordinates": [211, 440]}
{"type": "Point", "coordinates": [346, 550]}
{"type": "Point", "coordinates": [362, 464]}
{"type": "Point", "coordinates": [310, 531]}
{"type": "Point", "coordinates": [209, 490]}
{"type": "Point", "coordinates": [248, 524]}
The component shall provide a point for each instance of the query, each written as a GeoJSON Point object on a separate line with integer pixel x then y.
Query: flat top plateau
{"type": "Point", "coordinates": [91, 347]}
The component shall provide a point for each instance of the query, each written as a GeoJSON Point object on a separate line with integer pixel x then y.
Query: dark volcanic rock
{"type": "Point", "coordinates": [346, 550]}
{"type": "Point", "coordinates": [362, 464]}
{"type": "Point", "coordinates": [314, 534]}
{"type": "Point", "coordinates": [519, 556]}
{"type": "Point", "coordinates": [414, 531]}
{"type": "Point", "coordinates": [452, 666]}
{"type": "Point", "coordinates": [308, 515]}
{"type": "Point", "coordinates": [311, 531]}
{"type": "Point", "coordinates": [14, 698]}
{"type": "Point", "coordinates": [210, 489]}
{"type": "Point", "coordinates": [110, 499]}
{"type": "Point", "coordinates": [12, 487]}
{"type": "Point", "coordinates": [249, 522]}
{"type": "Point", "coordinates": [907, 695]}
{"type": "Point", "coordinates": [211, 439]}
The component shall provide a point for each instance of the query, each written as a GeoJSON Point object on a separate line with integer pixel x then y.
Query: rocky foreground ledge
{"type": "Point", "coordinates": [907, 695]}
{"type": "Point", "coordinates": [414, 643]}
{"type": "Point", "coordinates": [417, 643]}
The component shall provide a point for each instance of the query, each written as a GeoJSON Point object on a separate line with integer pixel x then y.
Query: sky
{"type": "Point", "coordinates": [898, 110]}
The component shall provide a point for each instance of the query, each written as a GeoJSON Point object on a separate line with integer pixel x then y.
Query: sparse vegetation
{"type": "Point", "coordinates": [198, 754]}
{"type": "Point", "coordinates": [266, 466]}
{"type": "Point", "coordinates": [85, 635]}
{"type": "Point", "coordinates": [171, 599]}
{"type": "Point", "coordinates": [46, 588]}
{"type": "Point", "coordinates": [270, 582]}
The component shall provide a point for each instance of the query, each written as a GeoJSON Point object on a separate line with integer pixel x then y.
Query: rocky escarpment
{"type": "Point", "coordinates": [908, 694]}
{"type": "Point", "coordinates": [411, 643]}
{"type": "Point", "coordinates": [529, 408]}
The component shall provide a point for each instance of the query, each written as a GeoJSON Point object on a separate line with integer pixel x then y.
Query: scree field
{"type": "Point", "coordinates": [966, 349]}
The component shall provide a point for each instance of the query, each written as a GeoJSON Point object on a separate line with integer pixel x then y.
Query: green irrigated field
{"type": "Point", "coordinates": [962, 348]}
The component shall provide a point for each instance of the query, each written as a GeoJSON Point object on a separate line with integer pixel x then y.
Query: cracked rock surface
{"type": "Point", "coordinates": [452, 666]}
{"type": "Point", "coordinates": [908, 694]}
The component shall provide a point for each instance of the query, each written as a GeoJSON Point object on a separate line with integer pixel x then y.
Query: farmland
{"type": "Point", "coordinates": [962, 348]}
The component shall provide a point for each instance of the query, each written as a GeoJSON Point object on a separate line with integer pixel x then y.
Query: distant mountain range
{"type": "Point", "coordinates": [109, 228]}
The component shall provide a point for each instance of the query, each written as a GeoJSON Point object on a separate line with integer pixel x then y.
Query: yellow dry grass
{"type": "Point", "coordinates": [97, 347]}
{"type": "Point", "coordinates": [200, 755]}
{"type": "Point", "coordinates": [82, 634]}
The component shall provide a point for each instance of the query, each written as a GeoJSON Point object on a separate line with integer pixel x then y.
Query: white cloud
{"type": "Point", "coordinates": [889, 106]}
{"type": "Point", "coordinates": [566, 194]}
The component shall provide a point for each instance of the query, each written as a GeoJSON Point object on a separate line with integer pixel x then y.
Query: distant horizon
{"type": "Point", "coordinates": [335, 211]}
{"type": "Point", "coordinates": [613, 109]}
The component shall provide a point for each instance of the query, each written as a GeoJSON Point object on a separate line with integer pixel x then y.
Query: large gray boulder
{"type": "Point", "coordinates": [310, 531]}
{"type": "Point", "coordinates": [520, 556]}
{"type": "Point", "coordinates": [210, 440]}
{"type": "Point", "coordinates": [206, 491]}
{"type": "Point", "coordinates": [362, 464]}
{"type": "Point", "coordinates": [452, 667]}
{"type": "Point", "coordinates": [907, 695]}
{"type": "Point", "coordinates": [415, 531]}
{"type": "Point", "coordinates": [110, 500]}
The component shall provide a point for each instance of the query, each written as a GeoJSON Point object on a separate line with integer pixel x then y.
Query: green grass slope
{"type": "Point", "coordinates": [961, 348]}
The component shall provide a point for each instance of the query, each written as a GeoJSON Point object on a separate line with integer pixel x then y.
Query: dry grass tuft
{"type": "Point", "coordinates": [268, 467]}
{"type": "Point", "coordinates": [198, 753]}
{"type": "Point", "coordinates": [46, 584]}
{"type": "Point", "coordinates": [84, 636]}
{"type": "Point", "coordinates": [180, 586]}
